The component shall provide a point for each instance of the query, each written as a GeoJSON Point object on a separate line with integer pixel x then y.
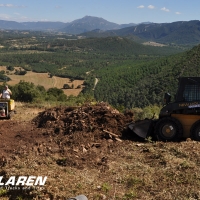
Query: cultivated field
{"type": "Point", "coordinates": [44, 80]}
{"type": "Point", "coordinates": [154, 44]}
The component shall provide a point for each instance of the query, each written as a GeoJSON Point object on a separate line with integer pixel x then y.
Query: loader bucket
{"type": "Point", "coordinates": [141, 128]}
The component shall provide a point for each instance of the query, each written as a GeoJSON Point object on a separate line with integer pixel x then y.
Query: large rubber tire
{"type": "Point", "coordinates": [11, 114]}
{"type": "Point", "coordinates": [168, 129]}
{"type": "Point", "coordinates": [195, 131]}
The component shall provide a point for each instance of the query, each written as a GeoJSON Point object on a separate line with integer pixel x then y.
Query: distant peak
{"type": "Point", "coordinates": [87, 16]}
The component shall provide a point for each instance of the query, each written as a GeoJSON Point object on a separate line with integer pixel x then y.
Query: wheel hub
{"type": "Point", "coordinates": [168, 130]}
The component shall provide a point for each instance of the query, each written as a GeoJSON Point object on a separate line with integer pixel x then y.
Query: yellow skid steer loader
{"type": "Point", "coordinates": [178, 119]}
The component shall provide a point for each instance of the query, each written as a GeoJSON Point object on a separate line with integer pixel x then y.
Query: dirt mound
{"type": "Point", "coordinates": [68, 120]}
{"type": "Point", "coordinates": [83, 135]}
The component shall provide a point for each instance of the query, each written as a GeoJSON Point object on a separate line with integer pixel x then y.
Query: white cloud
{"type": "Point", "coordinates": [178, 13]}
{"type": "Point", "coordinates": [57, 7]}
{"type": "Point", "coordinates": [11, 6]}
{"type": "Point", "coordinates": [151, 7]}
{"type": "Point", "coordinates": [165, 9]}
{"type": "Point", "coordinates": [7, 5]}
{"type": "Point", "coordinates": [5, 17]}
{"type": "Point", "coordinates": [140, 6]}
{"type": "Point", "coordinates": [15, 17]}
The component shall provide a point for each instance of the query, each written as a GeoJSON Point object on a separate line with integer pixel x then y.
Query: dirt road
{"type": "Point", "coordinates": [95, 83]}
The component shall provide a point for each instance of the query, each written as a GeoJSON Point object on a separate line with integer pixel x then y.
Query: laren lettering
{"type": "Point", "coordinates": [24, 180]}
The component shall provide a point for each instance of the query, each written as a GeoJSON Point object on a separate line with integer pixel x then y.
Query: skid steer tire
{"type": "Point", "coordinates": [11, 114]}
{"type": "Point", "coordinates": [168, 129]}
{"type": "Point", "coordinates": [195, 131]}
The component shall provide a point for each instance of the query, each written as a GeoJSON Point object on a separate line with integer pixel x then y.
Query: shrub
{"type": "Point", "coordinates": [55, 93]}
{"type": "Point", "coordinates": [26, 92]}
{"type": "Point", "coordinates": [20, 72]}
{"type": "Point", "coordinates": [66, 86]}
{"type": "Point", "coordinates": [10, 68]}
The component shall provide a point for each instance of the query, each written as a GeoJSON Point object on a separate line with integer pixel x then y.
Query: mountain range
{"type": "Point", "coordinates": [78, 26]}
{"type": "Point", "coordinates": [180, 32]}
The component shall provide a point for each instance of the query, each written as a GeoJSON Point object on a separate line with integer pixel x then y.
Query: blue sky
{"type": "Point", "coordinates": [117, 11]}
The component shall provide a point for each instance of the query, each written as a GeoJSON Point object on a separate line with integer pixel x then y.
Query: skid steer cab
{"type": "Point", "coordinates": [177, 120]}
{"type": "Point", "coordinates": [7, 107]}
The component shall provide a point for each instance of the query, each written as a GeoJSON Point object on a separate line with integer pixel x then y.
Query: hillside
{"type": "Point", "coordinates": [139, 84]}
{"type": "Point", "coordinates": [12, 25]}
{"type": "Point", "coordinates": [89, 23]}
{"type": "Point", "coordinates": [170, 32]}
{"type": "Point", "coordinates": [90, 161]}
{"type": "Point", "coordinates": [48, 52]}
{"type": "Point", "coordinates": [167, 33]}
{"type": "Point", "coordinates": [129, 74]}
{"type": "Point", "coordinates": [121, 46]}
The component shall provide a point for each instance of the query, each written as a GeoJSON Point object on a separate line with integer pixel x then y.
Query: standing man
{"type": "Point", "coordinates": [6, 93]}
